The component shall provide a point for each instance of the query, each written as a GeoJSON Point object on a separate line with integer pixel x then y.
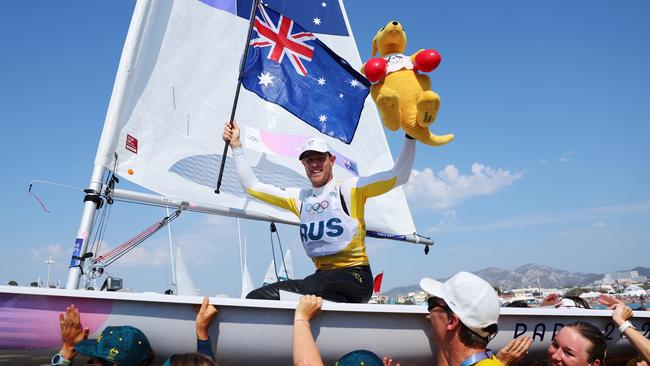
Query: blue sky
{"type": "Point", "coordinates": [548, 101]}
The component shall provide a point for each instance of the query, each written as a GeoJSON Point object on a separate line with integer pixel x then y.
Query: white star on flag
{"type": "Point", "coordinates": [323, 4]}
{"type": "Point", "coordinates": [265, 78]}
{"type": "Point", "coordinates": [340, 95]}
{"type": "Point", "coordinates": [321, 81]}
{"type": "Point", "coordinates": [322, 118]}
{"type": "Point", "coordinates": [354, 83]}
{"type": "Point", "coordinates": [317, 21]}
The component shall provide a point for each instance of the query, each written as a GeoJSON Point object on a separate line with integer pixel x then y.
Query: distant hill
{"type": "Point", "coordinates": [528, 275]}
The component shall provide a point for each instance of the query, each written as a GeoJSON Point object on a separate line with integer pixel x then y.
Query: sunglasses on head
{"type": "Point", "coordinates": [436, 302]}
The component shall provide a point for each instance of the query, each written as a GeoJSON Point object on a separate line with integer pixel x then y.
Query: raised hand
{"type": "Point", "coordinates": [72, 332]}
{"type": "Point", "coordinates": [609, 301]}
{"type": "Point", "coordinates": [231, 133]}
{"type": "Point", "coordinates": [551, 300]}
{"type": "Point", "coordinates": [621, 313]}
{"type": "Point", "coordinates": [308, 307]}
{"type": "Point", "coordinates": [514, 351]}
{"type": "Point", "coordinates": [389, 362]}
{"type": "Point", "coordinates": [204, 318]}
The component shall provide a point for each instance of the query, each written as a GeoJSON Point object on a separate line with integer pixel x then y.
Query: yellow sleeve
{"type": "Point", "coordinates": [275, 196]}
{"type": "Point", "coordinates": [282, 198]}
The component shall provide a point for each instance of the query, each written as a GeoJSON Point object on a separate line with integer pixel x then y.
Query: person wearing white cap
{"type": "Point", "coordinates": [463, 312]}
{"type": "Point", "coordinates": [331, 213]}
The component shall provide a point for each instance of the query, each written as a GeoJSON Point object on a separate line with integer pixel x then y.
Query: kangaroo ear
{"type": "Point", "coordinates": [374, 46]}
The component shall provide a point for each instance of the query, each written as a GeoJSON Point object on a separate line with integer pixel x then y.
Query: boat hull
{"type": "Point", "coordinates": [258, 331]}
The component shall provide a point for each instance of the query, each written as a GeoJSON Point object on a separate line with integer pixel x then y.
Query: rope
{"type": "Point", "coordinates": [38, 199]}
{"type": "Point", "coordinates": [115, 254]}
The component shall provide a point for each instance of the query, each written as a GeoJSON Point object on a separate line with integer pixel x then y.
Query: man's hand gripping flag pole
{"type": "Point", "coordinates": [239, 82]}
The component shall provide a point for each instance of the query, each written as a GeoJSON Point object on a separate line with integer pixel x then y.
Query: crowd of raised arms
{"type": "Point", "coordinates": [463, 315]}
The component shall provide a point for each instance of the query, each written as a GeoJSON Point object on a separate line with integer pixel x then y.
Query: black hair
{"type": "Point", "coordinates": [473, 340]}
{"type": "Point", "coordinates": [598, 349]}
{"type": "Point", "coordinates": [518, 304]}
{"type": "Point", "coordinates": [579, 301]}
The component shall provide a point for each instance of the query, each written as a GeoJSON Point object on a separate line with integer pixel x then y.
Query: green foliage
{"type": "Point", "coordinates": [34, 284]}
{"type": "Point", "coordinates": [12, 283]}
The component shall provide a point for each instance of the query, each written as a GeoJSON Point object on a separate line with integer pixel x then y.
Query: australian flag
{"type": "Point", "coordinates": [287, 65]}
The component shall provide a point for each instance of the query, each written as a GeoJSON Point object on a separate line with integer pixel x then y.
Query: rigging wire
{"type": "Point", "coordinates": [275, 268]}
{"type": "Point", "coordinates": [274, 229]}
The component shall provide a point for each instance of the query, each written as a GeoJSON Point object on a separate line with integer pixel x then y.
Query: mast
{"type": "Point", "coordinates": [107, 142]}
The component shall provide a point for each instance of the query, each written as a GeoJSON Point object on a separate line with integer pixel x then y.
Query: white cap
{"type": "Point", "coordinates": [314, 144]}
{"type": "Point", "coordinates": [472, 299]}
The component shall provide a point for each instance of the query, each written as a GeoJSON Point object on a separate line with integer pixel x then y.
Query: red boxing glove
{"type": "Point", "coordinates": [375, 69]}
{"type": "Point", "coordinates": [427, 60]}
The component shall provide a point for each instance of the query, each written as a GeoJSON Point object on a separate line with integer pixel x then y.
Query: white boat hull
{"type": "Point", "coordinates": [258, 331]}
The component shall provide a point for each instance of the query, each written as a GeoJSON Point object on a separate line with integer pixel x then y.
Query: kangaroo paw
{"type": "Point", "coordinates": [427, 108]}
{"type": "Point", "coordinates": [388, 105]}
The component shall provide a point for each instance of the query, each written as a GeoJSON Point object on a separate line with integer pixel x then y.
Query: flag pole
{"type": "Point", "coordinates": [239, 81]}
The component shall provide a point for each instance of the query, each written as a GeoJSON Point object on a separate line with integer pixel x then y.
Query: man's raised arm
{"type": "Point", "coordinates": [268, 193]}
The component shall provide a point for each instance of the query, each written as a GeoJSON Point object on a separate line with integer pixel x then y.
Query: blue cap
{"type": "Point", "coordinates": [124, 345]}
{"type": "Point", "coordinates": [360, 358]}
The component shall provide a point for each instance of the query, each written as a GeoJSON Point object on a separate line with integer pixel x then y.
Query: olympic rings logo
{"type": "Point", "coordinates": [318, 207]}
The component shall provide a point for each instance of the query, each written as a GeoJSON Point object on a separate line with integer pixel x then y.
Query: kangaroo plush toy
{"type": "Point", "coordinates": [402, 94]}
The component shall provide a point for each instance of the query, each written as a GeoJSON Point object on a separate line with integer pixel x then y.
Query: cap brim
{"type": "Point", "coordinates": [88, 347]}
{"type": "Point", "coordinates": [302, 154]}
{"type": "Point", "coordinates": [431, 286]}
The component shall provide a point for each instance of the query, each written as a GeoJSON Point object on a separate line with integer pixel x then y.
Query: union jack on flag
{"type": "Point", "coordinates": [282, 41]}
{"type": "Point", "coordinates": [291, 67]}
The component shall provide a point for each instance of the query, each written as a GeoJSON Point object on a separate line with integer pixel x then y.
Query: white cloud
{"type": "Point", "coordinates": [53, 251]}
{"type": "Point", "coordinates": [566, 156]}
{"type": "Point", "coordinates": [145, 257]}
{"type": "Point", "coordinates": [443, 190]}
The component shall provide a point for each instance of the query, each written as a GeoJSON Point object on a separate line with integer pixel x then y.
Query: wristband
{"type": "Point", "coordinates": [626, 324]}
{"type": "Point", "coordinates": [409, 136]}
{"type": "Point", "coordinates": [301, 320]}
{"type": "Point", "coordinates": [59, 360]}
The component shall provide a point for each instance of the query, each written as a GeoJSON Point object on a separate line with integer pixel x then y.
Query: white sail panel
{"type": "Point", "coordinates": [180, 91]}
{"type": "Point", "coordinates": [283, 273]}
{"type": "Point", "coordinates": [184, 282]}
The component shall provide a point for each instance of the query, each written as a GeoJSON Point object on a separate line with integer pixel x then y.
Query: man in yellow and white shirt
{"type": "Point", "coordinates": [332, 225]}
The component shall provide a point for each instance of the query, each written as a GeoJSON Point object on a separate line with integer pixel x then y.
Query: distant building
{"type": "Point", "coordinates": [623, 277]}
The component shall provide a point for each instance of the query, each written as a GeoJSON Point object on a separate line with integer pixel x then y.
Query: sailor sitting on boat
{"type": "Point", "coordinates": [332, 225]}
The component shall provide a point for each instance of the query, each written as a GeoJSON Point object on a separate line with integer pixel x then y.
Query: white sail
{"type": "Point", "coordinates": [282, 272]}
{"type": "Point", "coordinates": [178, 95]}
{"type": "Point", "coordinates": [184, 283]}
